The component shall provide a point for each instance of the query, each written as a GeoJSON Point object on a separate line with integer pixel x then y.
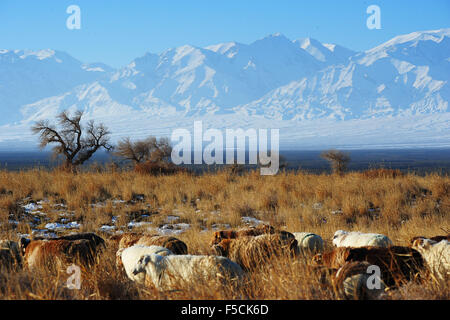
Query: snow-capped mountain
{"type": "Point", "coordinates": [274, 80]}
{"type": "Point", "coordinates": [28, 76]}
{"type": "Point", "coordinates": [214, 79]}
{"type": "Point", "coordinates": [407, 75]}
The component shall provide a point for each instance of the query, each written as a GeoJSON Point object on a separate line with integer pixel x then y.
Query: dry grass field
{"type": "Point", "coordinates": [192, 207]}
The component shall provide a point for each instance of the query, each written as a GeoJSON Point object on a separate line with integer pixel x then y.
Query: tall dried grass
{"type": "Point", "coordinates": [398, 205]}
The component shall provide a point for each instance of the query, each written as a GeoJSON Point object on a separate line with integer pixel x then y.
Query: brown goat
{"type": "Point", "coordinates": [96, 240]}
{"type": "Point", "coordinates": [250, 252]}
{"type": "Point", "coordinates": [332, 259]}
{"type": "Point", "coordinates": [129, 239]}
{"type": "Point", "coordinates": [173, 244]}
{"type": "Point", "coordinates": [115, 240]}
{"type": "Point", "coordinates": [56, 253]}
{"type": "Point", "coordinates": [397, 264]}
{"type": "Point", "coordinates": [245, 232]}
{"type": "Point", "coordinates": [96, 243]}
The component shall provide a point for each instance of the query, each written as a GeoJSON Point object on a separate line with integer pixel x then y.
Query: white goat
{"type": "Point", "coordinates": [130, 256]}
{"type": "Point", "coordinates": [309, 242]}
{"type": "Point", "coordinates": [436, 255]}
{"type": "Point", "coordinates": [166, 271]}
{"type": "Point", "coordinates": [355, 239]}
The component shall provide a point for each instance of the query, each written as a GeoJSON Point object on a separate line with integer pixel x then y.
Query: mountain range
{"type": "Point", "coordinates": [317, 94]}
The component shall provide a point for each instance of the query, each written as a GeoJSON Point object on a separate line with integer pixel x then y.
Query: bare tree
{"type": "Point", "coordinates": [148, 150]}
{"type": "Point", "coordinates": [73, 141]}
{"type": "Point", "coordinates": [338, 160]}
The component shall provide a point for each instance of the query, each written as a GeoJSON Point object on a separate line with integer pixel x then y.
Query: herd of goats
{"type": "Point", "coordinates": [164, 262]}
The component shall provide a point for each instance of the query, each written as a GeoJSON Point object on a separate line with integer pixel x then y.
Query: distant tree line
{"type": "Point", "coordinates": [77, 143]}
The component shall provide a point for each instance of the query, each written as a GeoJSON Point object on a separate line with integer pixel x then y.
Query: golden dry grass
{"type": "Point", "coordinates": [399, 206]}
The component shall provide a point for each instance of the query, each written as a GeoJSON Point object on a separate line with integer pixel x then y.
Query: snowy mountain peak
{"type": "Point", "coordinates": [314, 48]}
{"type": "Point", "coordinates": [221, 48]}
{"type": "Point", "coordinates": [325, 53]}
{"type": "Point", "coordinates": [184, 51]}
{"type": "Point", "coordinates": [272, 39]}
{"type": "Point", "coordinates": [329, 46]}
{"type": "Point", "coordinates": [416, 48]}
{"type": "Point", "coordinates": [412, 38]}
{"type": "Point", "coordinates": [308, 42]}
{"type": "Point", "coordinates": [273, 79]}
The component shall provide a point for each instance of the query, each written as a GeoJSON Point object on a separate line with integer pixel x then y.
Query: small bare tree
{"type": "Point", "coordinates": [147, 150]}
{"type": "Point", "coordinates": [338, 160]}
{"type": "Point", "coordinates": [73, 141]}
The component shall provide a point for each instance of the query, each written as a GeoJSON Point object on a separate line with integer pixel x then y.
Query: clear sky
{"type": "Point", "coordinates": [115, 32]}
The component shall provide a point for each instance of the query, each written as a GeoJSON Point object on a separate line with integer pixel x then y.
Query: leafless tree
{"type": "Point", "coordinates": [338, 160]}
{"type": "Point", "coordinates": [148, 150]}
{"type": "Point", "coordinates": [73, 141]}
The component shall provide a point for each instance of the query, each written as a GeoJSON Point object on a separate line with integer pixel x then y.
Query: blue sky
{"type": "Point", "coordinates": [115, 32]}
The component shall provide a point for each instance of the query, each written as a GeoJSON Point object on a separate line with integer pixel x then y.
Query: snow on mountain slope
{"type": "Point", "coordinates": [272, 82]}
{"type": "Point", "coordinates": [213, 79]}
{"type": "Point", "coordinates": [27, 76]}
{"type": "Point", "coordinates": [407, 75]}
{"type": "Point", "coordinates": [327, 53]}
{"type": "Point", "coordinates": [428, 48]}
{"type": "Point", "coordinates": [93, 97]}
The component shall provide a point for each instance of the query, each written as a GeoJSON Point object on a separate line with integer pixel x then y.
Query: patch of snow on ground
{"type": "Point", "coordinates": [171, 219]}
{"type": "Point", "coordinates": [173, 229]}
{"type": "Point", "coordinates": [106, 228]}
{"type": "Point", "coordinates": [251, 221]}
{"type": "Point", "coordinates": [317, 206]}
{"type": "Point", "coordinates": [134, 224]}
{"type": "Point", "coordinates": [32, 207]}
{"type": "Point", "coordinates": [55, 225]}
{"type": "Point", "coordinates": [43, 233]}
